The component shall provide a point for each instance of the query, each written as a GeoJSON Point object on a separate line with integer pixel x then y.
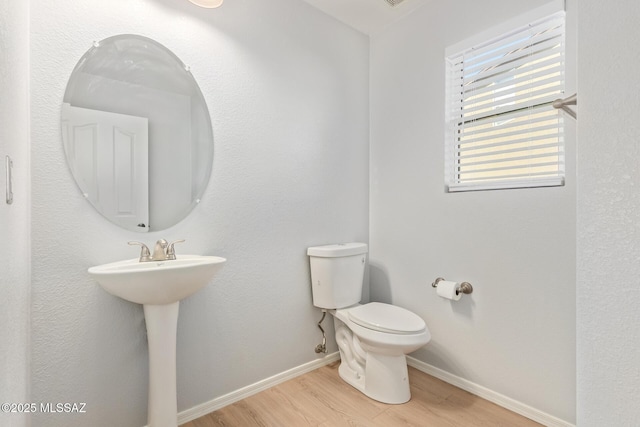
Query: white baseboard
{"type": "Point", "coordinates": [473, 388]}
{"type": "Point", "coordinates": [229, 398]}
{"type": "Point", "coordinates": [490, 395]}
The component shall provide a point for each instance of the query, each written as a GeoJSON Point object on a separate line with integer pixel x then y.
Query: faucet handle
{"type": "Point", "coordinates": [171, 251]}
{"type": "Point", "coordinates": [145, 255]}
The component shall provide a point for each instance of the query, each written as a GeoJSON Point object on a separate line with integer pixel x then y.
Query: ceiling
{"type": "Point", "coordinates": [367, 16]}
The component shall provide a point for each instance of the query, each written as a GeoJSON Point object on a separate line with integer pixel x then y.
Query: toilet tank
{"type": "Point", "coordinates": [337, 273]}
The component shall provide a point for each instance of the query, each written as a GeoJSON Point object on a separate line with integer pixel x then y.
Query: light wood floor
{"type": "Point", "coordinates": [320, 398]}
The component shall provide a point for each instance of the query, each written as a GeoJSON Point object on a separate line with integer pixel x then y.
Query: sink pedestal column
{"type": "Point", "coordinates": [162, 325]}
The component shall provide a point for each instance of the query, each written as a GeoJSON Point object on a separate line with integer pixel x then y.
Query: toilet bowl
{"type": "Point", "coordinates": [373, 346]}
{"type": "Point", "coordinates": [372, 338]}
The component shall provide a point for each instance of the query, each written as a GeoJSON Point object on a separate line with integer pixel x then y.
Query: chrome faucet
{"type": "Point", "coordinates": [162, 251]}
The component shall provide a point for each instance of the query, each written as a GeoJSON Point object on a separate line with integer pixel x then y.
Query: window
{"type": "Point", "coordinates": [502, 129]}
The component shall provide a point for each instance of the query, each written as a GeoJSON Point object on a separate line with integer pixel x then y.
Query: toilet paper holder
{"type": "Point", "coordinates": [464, 288]}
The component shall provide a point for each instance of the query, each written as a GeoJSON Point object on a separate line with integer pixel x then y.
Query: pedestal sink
{"type": "Point", "coordinates": [159, 286]}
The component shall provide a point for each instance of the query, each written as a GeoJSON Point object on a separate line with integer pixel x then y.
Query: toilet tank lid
{"type": "Point", "coordinates": [338, 250]}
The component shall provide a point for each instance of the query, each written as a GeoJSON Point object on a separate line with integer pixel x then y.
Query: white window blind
{"type": "Point", "coordinates": [503, 131]}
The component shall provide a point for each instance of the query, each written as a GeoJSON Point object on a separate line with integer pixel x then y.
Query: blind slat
{"type": "Point", "coordinates": [532, 46]}
{"type": "Point", "coordinates": [526, 115]}
{"type": "Point", "coordinates": [523, 101]}
{"type": "Point", "coordinates": [511, 176]}
{"type": "Point", "coordinates": [470, 172]}
{"type": "Point", "coordinates": [512, 61]}
{"type": "Point", "coordinates": [504, 151]}
{"type": "Point", "coordinates": [515, 37]}
{"type": "Point", "coordinates": [509, 100]}
{"type": "Point", "coordinates": [511, 70]}
{"type": "Point", "coordinates": [539, 77]}
{"type": "Point", "coordinates": [529, 129]}
{"type": "Point", "coordinates": [485, 129]}
{"type": "Point", "coordinates": [506, 159]}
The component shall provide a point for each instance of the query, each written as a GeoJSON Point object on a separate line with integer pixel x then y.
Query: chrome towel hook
{"type": "Point", "coordinates": [562, 104]}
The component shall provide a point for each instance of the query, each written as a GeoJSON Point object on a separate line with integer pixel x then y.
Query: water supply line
{"type": "Point", "coordinates": [322, 348]}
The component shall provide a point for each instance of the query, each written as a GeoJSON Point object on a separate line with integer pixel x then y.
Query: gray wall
{"type": "Point", "coordinates": [608, 240]}
{"type": "Point", "coordinates": [287, 89]}
{"type": "Point", "coordinates": [14, 219]}
{"type": "Point", "coordinates": [515, 334]}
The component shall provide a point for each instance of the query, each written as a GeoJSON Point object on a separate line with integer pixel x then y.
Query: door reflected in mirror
{"type": "Point", "coordinates": [136, 133]}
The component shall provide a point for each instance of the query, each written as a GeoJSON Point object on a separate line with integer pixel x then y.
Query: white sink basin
{"type": "Point", "coordinates": [157, 282]}
{"type": "Point", "coordinates": [159, 286]}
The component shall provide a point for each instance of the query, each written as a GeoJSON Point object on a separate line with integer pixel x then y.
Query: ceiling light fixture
{"type": "Point", "coordinates": [207, 3]}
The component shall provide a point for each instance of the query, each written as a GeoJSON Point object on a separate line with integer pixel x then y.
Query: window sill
{"type": "Point", "coordinates": [502, 185]}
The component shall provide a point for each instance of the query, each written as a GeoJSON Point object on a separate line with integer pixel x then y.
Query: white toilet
{"type": "Point", "coordinates": [373, 338]}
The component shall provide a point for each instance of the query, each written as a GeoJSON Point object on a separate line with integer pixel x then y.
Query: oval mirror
{"type": "Point", "coordinates": [136, 133]}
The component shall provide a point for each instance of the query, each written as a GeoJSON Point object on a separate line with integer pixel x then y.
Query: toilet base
{"type": "Point", "coordinates": [386, 378]}
{"type": "Point", "coordinates": [379, 376]}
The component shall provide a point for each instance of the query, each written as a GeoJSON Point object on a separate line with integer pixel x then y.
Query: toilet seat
{"type": "Point", "coordinates": [386, 318]}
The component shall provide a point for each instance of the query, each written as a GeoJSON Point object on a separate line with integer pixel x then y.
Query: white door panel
{"type": "Point", "coordinates": [109, 157]}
